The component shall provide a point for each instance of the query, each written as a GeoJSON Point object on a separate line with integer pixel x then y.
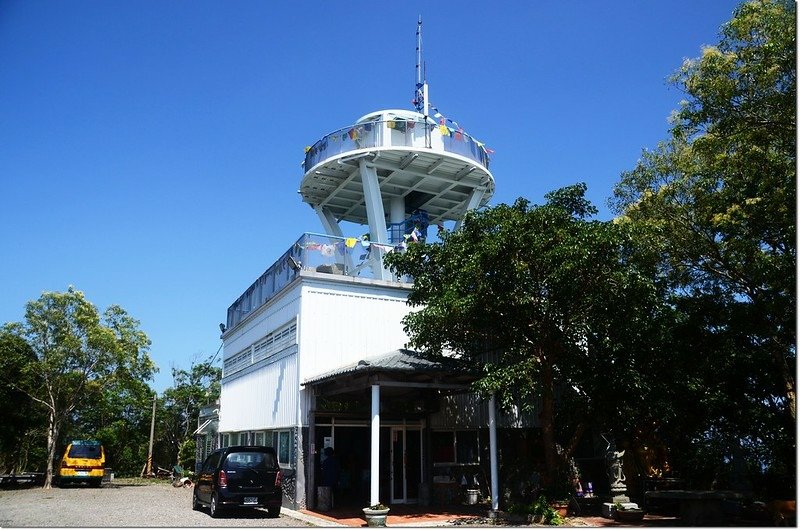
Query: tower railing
{"type": "Point", "coordinates": [342, 256]}
{"type": "Point", "coordinates": [399, 132]}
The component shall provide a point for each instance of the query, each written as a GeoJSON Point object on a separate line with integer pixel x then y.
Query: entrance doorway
{"type": "Point", "coordinates": [400, 455]}
{"type": "Point", "coordinates": [406, 464]}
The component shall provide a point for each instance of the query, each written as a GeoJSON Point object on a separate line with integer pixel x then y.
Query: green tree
{"type": "Point", "coordinates": [718, 202]}
{"type": "Point", "coordinates": [77, 353]}
{"type": "Point", "coordinates": [180, 407]}
{"type": "Point", "coordinates": [21, 421]}
{"type": "Point", "coordinates": [117, 414]}
{"type": "Point", "coordinates": [546, 302]}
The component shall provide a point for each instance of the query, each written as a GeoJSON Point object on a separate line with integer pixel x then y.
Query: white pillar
{"type": "Point", "coordinates": [397, 211]}
{"type": "Point", "coordinates": [493, 454]}
{"type": "Point", "coordinates": [375, 216]}
{"type": "Point", "coordinates": [473, 202]}
{"type": "Point", "coordinates": [374, 479]}
{"type": "Point", "coordinates": [332, 228]}
{"type": "Point", "coordinates": [373, 202]}
{"type": "Point", "coordinates": [329, 223]}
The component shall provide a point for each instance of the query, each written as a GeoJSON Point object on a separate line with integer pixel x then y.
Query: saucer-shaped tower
{"type": "Point", "coordinates": [396, 171]}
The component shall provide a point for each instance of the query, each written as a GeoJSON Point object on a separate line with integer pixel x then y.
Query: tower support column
{"type": "Point", "coordinates": [397, 214]}
{"type": "Point", "coordinates": [332, 228]}
{"type": "Point", "coordinates": [375, 215]}
{"type": "Point", "coordinates": [473, 202]}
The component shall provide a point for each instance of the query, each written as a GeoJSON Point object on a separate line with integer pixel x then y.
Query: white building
{"type": "Point", "coordinates": [313, 349]}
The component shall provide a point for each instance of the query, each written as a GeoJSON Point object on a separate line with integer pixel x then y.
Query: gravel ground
{"type": "Point", "coordinates": [121, 504]}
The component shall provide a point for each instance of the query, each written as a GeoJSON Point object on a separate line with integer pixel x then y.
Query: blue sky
{"type": "Point", "coordinates": [150, 150]}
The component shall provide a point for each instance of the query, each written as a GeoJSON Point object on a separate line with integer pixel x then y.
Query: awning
{"type": "Point", "coordinates": [398, 371]}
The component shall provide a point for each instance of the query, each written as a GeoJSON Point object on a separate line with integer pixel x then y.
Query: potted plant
{"type": "Point", "coordinates": [543, 512]}
{"type": "Point", "coordinates": [560, 506]}
{"type": "Point", "coordinates": [376, 514]}
{"type": "Point", "coordinates": [627, 515]}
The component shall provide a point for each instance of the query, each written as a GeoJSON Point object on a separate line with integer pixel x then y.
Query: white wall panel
{"type": "Point", "coordinates": [282, 309]}
{"type": "Point", "coordinates": [344, 323]}
{"type": "Point", "coordinates": [264, 399]}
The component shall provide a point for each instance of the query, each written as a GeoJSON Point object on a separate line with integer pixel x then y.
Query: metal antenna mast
{"type": "Point", "coordinates": [421, 90]}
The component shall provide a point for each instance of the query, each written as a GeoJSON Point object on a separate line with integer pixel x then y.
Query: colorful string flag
{"type": "Point", "coordinates": [350, 242]}
{"type": "Point", "coordinates": [399, 125]}
{"type": "Point", "coordinates": [483, 146]}
{"type": "Point", "coordinates": [414, 235]}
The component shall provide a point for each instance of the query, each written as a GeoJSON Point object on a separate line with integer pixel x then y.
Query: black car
{"type": "Point", "coordinates": [239, 476]}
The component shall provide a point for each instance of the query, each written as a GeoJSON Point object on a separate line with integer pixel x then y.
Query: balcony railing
{"type": "Point", "coordinates": [396, 133]}
{"type": "Point", "coordinates": [343, 256]}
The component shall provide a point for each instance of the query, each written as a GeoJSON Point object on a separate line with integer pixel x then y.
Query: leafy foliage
{"type": "Point", "coordinates": [69, 372]}
{"type": "Point", "coordinates": [547, 301]}
{"type": "Point", "coordinates": [76, 354]}
{"type": "Point", "coordinates": [717, 202]}
{"type": "Point", "coordinates": [180, 407]}
{"type": "Point", "coordinates": [20, 437]}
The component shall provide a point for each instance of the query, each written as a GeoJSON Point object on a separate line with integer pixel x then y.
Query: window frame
{"type": "Point", "coordinates": [284, 439]}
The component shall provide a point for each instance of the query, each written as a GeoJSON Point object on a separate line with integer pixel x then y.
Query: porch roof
{"type": "Point", "coordinates": [401, 369]}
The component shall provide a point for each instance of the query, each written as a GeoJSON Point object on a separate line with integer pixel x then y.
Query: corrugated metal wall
{"type": "Point", "coordinates": [284, 308]}
{"type": "Point", "coordinates": [264, 399]}
{"type": "Point", "coordinates": [344, 323]}
{"type": "Point", "coordinates": [469, 411]}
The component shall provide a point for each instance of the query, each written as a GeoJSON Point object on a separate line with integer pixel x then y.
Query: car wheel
{"type": "Point", "coordinates": [195, 503]}
{"type": "Point", "coordinates": [214, 508]}
{"type": "Point", "coordinates": [274, 511]}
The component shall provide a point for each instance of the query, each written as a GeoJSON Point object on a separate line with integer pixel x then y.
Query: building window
{"type": "Point", "coordinates": [284, 447]}
{"type": "Point", "coordinates": [276, 341]}
{"type": "Point", "coordinates": [272, 344]}
{"type": "Point", "coordinates": [259, 438]}
{"type": "Point", "coordinates": [467, 447]}
{"type": "Point", "coordinates": [443, 446]}
{"type": "Point", "coordinates": [455, 447]}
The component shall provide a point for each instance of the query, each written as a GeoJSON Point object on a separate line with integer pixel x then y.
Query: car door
{"type": "Point", "coordinates": [206, 477]}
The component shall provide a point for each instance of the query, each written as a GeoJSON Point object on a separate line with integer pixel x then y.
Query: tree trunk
{"type": "Point", "coordinates": [787, 381]}
{"type": "Point", "coordinates": [547, 418]}
{"type": "Point", "coordinates": [52, 440]}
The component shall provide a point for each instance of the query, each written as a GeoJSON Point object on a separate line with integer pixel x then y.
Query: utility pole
{"type": "Point", "coordinates": [149, 467]}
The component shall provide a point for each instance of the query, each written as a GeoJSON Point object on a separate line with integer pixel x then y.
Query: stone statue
{"type": "Point", "coordinates": [616, 478]}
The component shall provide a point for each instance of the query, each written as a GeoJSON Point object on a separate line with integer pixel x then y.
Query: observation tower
{"type": "Point", "coordinates": [396, 171]}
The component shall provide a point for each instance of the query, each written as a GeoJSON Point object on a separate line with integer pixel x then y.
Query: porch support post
{"type": "Point", "coordinates": [375, 446]}
{"type": "Point", "coordinates": [493, 454]}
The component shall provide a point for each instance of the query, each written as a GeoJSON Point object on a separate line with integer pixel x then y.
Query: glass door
{"type": "Point", "coordinates": [406, 464]}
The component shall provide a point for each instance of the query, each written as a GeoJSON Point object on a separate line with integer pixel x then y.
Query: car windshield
{"type": "Point", "coordinates": [251, 459]}
{"type": "Point", "coordinates": [84, 451]}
